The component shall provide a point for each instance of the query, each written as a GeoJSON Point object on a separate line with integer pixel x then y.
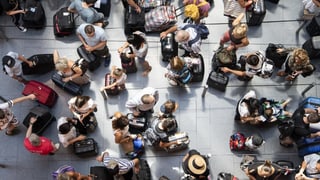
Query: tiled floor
{"type": "Point", "coordinates": [209, 121]}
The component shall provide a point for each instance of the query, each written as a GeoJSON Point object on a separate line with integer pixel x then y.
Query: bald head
{"type": "Point", "coordinates": [182, 36]}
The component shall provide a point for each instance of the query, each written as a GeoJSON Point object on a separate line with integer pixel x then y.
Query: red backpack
{"type": "Point", "coordinates": [237, 141]}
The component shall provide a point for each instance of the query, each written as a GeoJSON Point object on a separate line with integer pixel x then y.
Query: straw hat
{"type": "Point", "coordinates": [197, 164]}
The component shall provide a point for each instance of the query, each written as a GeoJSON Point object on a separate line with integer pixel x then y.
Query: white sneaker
{"type": "Point", "coordinates": [21, 28]}
{"type": "Point", "coordinates": [57, 145]}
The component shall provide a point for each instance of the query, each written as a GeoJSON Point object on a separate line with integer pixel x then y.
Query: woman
{"type": "Point", "coordinates": [119, 79]}
{"type": "Point", "coordinates": [311, 6]}
{"type": "Point", "coordinates": [70, 70]}
{"type": "Point", "coordinates": [297, 63]}
{"type": "Point", "coordinates": [13, 9]}
{"type": "Point", "coordinates": [67, 132]}
{"type": "Point", "coordinates": [237, 35]}
{"type": "Point", "coordinates": [67, 172]}
{"type": "Point", "coordinates": [178, 72]}
{"type": "Point", "coordinates": [263, 171]}
{"type": "Point", "coordinates": [140, 49]}
{"type": "Point", "coordinates": [168, 108]}
{"type": "Point", "coordinates": [196, 165]}
{"type": "Point", "coordinates": [233, 8]}
{"type": "Point", "coordinates": [83, 108]}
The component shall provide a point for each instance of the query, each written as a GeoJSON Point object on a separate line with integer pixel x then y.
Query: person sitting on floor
{"type": "Point", "coordinates": [310, 168]}
{"type": "Point", "coordinates": [178, 72]}
{"type": "Point", "coordinates": [67, 131]}
{"type": "Point", "coordinates": [196, 165]}
{"type": "Point", "coordinates": [67, 172]}
{"type": "Point", "coordinates": [119, 79]}
{"type": "Point", "coordinates": [168, 108]}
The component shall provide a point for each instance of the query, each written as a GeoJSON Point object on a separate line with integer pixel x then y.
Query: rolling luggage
{"type": "Point", "coordinates": [313, 28]}
{"type": "Point", "coordinates": [128, 64]}
{"type": "Point", "coordinates": [100, 173]}
{"type": "Point", "coordinates": [197, 67]}
{"type": "Point", "coordinates": [34, 16]}
{"type": "Point", "coordinates": [133, 21]}
{"type": "Point", "coordinates": [160, 18]}
{"type": "Point", "coordinates": [308, 146]}
{"type": "Point", "coordinates": [44, 118]}
{"type": "Point", "coordinates": [137, 125]}
{"type": "Point", "coordinates": [226, 176]}
{"type": "Point", "coordinates": [94, 61]}
{"type": "Point", "coordinates": [42, 63]}
{"type": "Point", "coordinates": [104, 7]}
{"type": "Point", "coordinates": [86, 147]}
{"type": "Point", "coordinates": [237, 141]}
{"type": "Point", "coordinates": [63, 23]}
{"type": "Point", "coordinates": [218, 80]}
{"type": "Point", "coordinates": [169, 47]}
{"type": "Point", "coordinates": [45, 95]}
{"type": "Point", "coordinates": [69, 87]}
{"type": "Point", "coordinates": [181, 136]}
{"type": "Point", "coordinates": [144, 172]}
{"type": "Point", "coordinates": [272, 54]}
{"type": "Point", "coordinates": [256, 13]}
{"type": "Point", "coordinates": [109, 80]}
{"type": "Point", "coordinates": [310, 102]}
{"type": "Point", "coordinates": [312, 46]}
{"type": "Point", "coordinates": [223, 58]}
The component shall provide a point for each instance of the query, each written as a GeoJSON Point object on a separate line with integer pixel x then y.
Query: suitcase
{"type": "Point", "coordinates": [100, 173]}
{"type": "Point", "coordinates": [183, 137]}
{"type": "Point", "coordinates": [35, 16]}
{"type": "Point", "coordinates": [226, 176]}
{"type": "Point", "coordinates": [310, 102]}
{"type": "Point", "coordinates": [109, 80]}
{"type": "Point", "coordinates": [104, 7]}
{"type": "Point", "coordinates": [133, 21]}
{"type": "Point", "coordinates": [308, 146]}
{"type": "Point", "coordinates": [274, 1]}
{"type": "Point", "coordinates": [313, 28]}
{"type": "Point", "coordinates": [86, 147]}
{"type": "Point", "coordinates": [144, 172]}
{"type": "Point", "coordinates": [137, 125]}
{"type": "Point", "coordinates": [197, 68]}
{"type": "Point", "coordinates": [45, 95]}
{"type": "Point", "coordinates": [160, 18]}
{"type": "Point", "coordinates": [94, 62]}
{"type": "Point", "coordinates": [256, 13]}
{"type": "Point", "coordinates": [277, 58]}
{"type": "Point", "coordinates": [69, 87]}
{"type": "Point", "coordinates": [218, 80]}
{"type": "Point", "coordinates": [312, 46]}
{"type": "Point", "coordinates": [237, 141]}
{"type": "Point", "coordinates": [128, 64]}
{"type": "Point", "coordinates": [42, 63]}
{"type": "Point", "coordinates": [169, 47]}
{"type": "Point", "coordinates": [44, 118]}
{"type": "Point", "coordinates": [63, 23]}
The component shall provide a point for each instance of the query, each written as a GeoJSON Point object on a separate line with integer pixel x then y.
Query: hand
{"type": "Point", "coordinates": [138, 9]}
{"type": "Point", "coordinates": [163, 35]}
{"type": "Point", "coordinates": [89, 48]}
{"type": "Point", "coordinates": [67, 79]}
{"type": "Point", "coordinates": [102, 88]}
{"type": "Point", "coordinates": [230, 48]}
{"type": "Point", "coordinates": [82, 137]}
{"type": "Point", "coordinates": [136, 169]}
{"type": "Point", "coordinates": [30, 63]}
{"type": "Point", "coordinates": [32, 96]}
{"type": "Point", "coordinates": [280, 50]}
{"type": "Point", "coordinates": [33, 120]}
{"type": "Point", "coordinates": [225, 69]}
{"type": "Point", "coordinates": [136, 113]}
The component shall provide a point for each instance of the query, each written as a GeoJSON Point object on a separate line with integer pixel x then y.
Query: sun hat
{"type": "Point", "coordinates": [8, 61]}
{"type": "Point", "coordinates": [197, 164]}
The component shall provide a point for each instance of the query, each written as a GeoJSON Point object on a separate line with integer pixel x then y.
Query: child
{"type": "Point", "coordinates": [274, 110]}
{"type": "Point", "coordinates": [168, 108]}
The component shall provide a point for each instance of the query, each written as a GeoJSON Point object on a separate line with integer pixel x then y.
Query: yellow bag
{"type": "Point", "coordinates": [192, 10]}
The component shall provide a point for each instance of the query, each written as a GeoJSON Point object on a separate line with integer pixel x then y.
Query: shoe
{"type": "Point", "coordinates": [21, 28]}
{"type": "Point", "coordinates": [105, 23]}
{"type": "Point", "coordinates": [107, 61]}
{"type": "Point", "coordinates": [57, 145]}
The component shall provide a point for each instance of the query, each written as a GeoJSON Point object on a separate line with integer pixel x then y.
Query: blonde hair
{"type": "Point", "coordinates": [302, 55]}
{"type": "Point", "coordinates": [117, 72]}
{"type": "Point", "coordinates": [61, 64]}
{"type": "Point", "coordinates": [240, 30]}
{"type": "Point", "coordinates": [176, 63]}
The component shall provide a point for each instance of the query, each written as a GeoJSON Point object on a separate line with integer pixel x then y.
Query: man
{"type": "Point", "coordinates": [39, 144]}
{"type": "Point", "coordinates": [143, 102]}
{"type": "Point", "coordinates": [94, 41]}
{"type": "Point", "coordinates": [7, 118]}
{"type": "Point", "coordinates": [118, 166]}
{"type": "Point", "coordinates": [13, 9]}
{"type": "Point", "coordinates": [310, 168]}
{"type": "Point", "coordinates": [13, 68]}
{"type": "Point", "coordinates": [187, 36]}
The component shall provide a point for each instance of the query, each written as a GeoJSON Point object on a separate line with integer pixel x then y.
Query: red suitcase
{"type": "Point", "coordinates": [45, 95]}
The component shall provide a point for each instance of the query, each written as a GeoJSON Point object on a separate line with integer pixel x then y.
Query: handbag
{"type": "Point", "coordinates": [134, 18]}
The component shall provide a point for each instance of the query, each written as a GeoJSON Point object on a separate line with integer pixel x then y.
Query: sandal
{"type": "Point", "coordinates": [146, 72]}
{"type": "Point", "coordinates": [9, 133]}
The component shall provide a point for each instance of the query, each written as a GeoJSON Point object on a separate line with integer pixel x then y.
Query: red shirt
{"type": "Point", "coordinates": [44, 148]}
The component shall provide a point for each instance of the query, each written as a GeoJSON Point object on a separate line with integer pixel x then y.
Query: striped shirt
{"type": "Point", "coordinates": [124, 164]}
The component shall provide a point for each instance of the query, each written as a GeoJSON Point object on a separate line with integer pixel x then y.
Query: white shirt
{"type": "Point", "coordinates": [64, 138]}
{"type": "Point", "coordinates": [17, 68]}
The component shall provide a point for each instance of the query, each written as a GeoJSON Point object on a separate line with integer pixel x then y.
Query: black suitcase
{"type": "Point", "coordinates": [86, 147]}
{"type": "Point", "coordinates": [133, 21]}
{"type": "Point", "coordinates": [312, 46]}
{"type": "Point", "coordinates": [128, 64]}
{"type": "Point", "coordinates": [42, 63]}
{"type": "Point", "coordinates": [144, 172]}
{"type": "Point", "coordinates": [218, 80]}
{"type": "Point", "coordinates": [100, 173]}
{"type": "Point", "coordinates": [169, 47]}
{"type": "Point", "coordinates": [137, 125]}
{"type": "Point", "coordinates": [69, 87]}
{"type": "Point", "coordinates": [313, 28]}
{"type": "Point", "coordinates": [197, 70]}
{"type": "Point", "coordinates": [94, 61]}
{"type": "Point", "coordinates": [63, 22]}
{"type": "Point", "coordinates": [109, 80]}
{"type": "Point", "coordinates": [274, 1]}
{"type": "Point", "coordinates": [256, 13]}
{"type": "Point", "coordinates": [272, 54]}
{"type": "Point", "coordinates": [35, 16]}
{"type": "Point", "coordinates": [44, 118]}
{"type": "Point", "coordinates": [104, 7]}
{"type": "Point", "coordinates": [308, 146]}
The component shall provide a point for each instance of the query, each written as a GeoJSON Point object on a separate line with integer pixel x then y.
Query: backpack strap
{"type": "Point", "coordinates": [197, 38]}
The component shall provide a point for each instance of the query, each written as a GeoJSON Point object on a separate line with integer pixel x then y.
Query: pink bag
{"type": "Point", "coordinates": [160, 18]}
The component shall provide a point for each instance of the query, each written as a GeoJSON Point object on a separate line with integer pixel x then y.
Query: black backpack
{"type": "Point", "coordinates": [82, 64]}
{"type": "Point", "coordinates": [286, 127]}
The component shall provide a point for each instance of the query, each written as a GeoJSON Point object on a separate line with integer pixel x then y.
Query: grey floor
{"type": "Point", "coordinates": [209, 121]}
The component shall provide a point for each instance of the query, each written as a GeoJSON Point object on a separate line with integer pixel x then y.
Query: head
{"type": "Point", "coordinates": [136, 40]}
{"type": "Point", "coordinates": [65, 176]}
{"type": "Point", "coordinates": [147, 99]}
{"type": "Point", "coordinates": [197, 164]}
{"type": "Point", "coordinates": [177, 63]}
{"type": "Point", "coordinates": [253, 105]}
{"type": "Point", "coordinates": [318, 165]}
{"type": "Point", "coordinates": [167, 124]}
{"type": "Point", "coordinates": [300, 56]}
{"type": "Point", "coordinates": [257, 140]}
{"type": "Point", "coordinates": [313, 118]}
{"type": "Point", "coordinates": [113, 167]}
{"type": "Point", "coordinates": [268, 112]}
{"type": "Point", "coordinates": [90, 1]}
{"type": "Point", "coordinates": [266, 169]}
{"type": "Point", "coordinates": [81, 100]}
{"type": "Point", "coordinates": [169, 107]}
{"type": "Point", "coordinates": [61, 64]}
{"type": "Point", "coordinates": [253, 60]}
{"type": "Point", "coordinates": [240, 31]}
{"type": "Point", "coordinates": [181, 36]}
{"type": "Point", "coordinates": [8, 61]}
{"type": "Point", "coordinates": [120, 122]}
{"type": "Point", "coordinates": [117, 72]}
{"type": "Point", "coordinates": [65, 128]}
{"type": "Point", "coordinates": [34, 140]}
{"type": "Point", "coordinates": [89, 30]}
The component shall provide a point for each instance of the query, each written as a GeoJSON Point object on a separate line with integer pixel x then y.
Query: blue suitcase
{"type": "Point", "coordinates": [310, 102]}
{"type": "Point", "coordinates": [308, 146]}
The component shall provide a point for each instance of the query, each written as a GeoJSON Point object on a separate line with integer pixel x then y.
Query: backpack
{"type": "Point", "coordinates": [286, 127]}
{"type": "Point", "coordinates": [266, 69]}
{"type": "Point", "coordinates": [237, 141]}
{"type": "Point", "coordinates": [82, 64]}
{"type": "Point", "coordinates": [152, 138]}
{"type": "Point", "coordinates": [62, 169]}
{"type": "Point", "coordinates": [192, 10]}
{"type": "Point", "coordinates": [185, 75]}
{"type": "Point", "coordinates": [202, 32]}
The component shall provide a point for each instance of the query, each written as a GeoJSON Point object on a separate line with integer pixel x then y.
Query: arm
{"type": "Point", "coordinates": [136, 165]}
{"type": "Point", "coordinates": [81, 39]}
{"type": "Point", "coordinates": [100, 45]}
{"type": "Point", "coordinates": [316, 2]}
{"type": "Point", "coordinates": [118, 138]}
{"type": "Point", "coordinates": [238, 20]}
{"type": "Point", "coordinates": [170, 30]}
{"type": "Point", "coordinates": [79, 138]}
{"type": "Point", "coordinates": [249, 175]}
{"type": "Point", "coordinates": [167, 144]}
{"type": "Point", "coordinates": [134, 5]}
{"type": "Point", "coordinates": [29, 131]}
{"type": "Point", "coordinates": [125, 45]}
{"type": "Point", "coordinates": [56, 56]}
{"type": "Point", "coordinates": [23, 98]}
{"type": "Point", "coordinates": [244, 3]}
{"type": "Point", "coordinates": [10, 13]}
{"type": "Point", "coordinates": [23, 59]}
{"type": "Point", "coordinates": [235, 72]}
{"type": "Point", "coordinates": [78, 73]}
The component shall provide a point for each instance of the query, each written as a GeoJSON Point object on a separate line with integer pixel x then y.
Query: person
{"type": "Point", "coordinates": [67, 133]}
{"type": "Point", "coordinates": [187, 36]}
{"type": "Point", "coordinates": [302, 123]}
{"type": "Point", "coordinates": [251, 64]}
{"type": "Point", "coordinates": [168, 108]}
{"type": "Point", "coordinates": [14, 69]}
{"type": "Point", "coordinates": [87, 13]}
{"type": "Point", "coordinates": [311, 6]}
{"type": "Point", "coordinates": [137, 40]}
{"type": "Point", "coordinates": [94, 40]}
{"type": "Point", "coordinates": [274, 110]}
{"type": "Point", "coordinates": [119, 166]}
{"type": "Point", "coordinates": [70, 70]}
{"type": "Point", "coordinates": [203, 7]}
{"type": "Point", "coordinates": [310, 168]}
{"type": "Point", "coordinates": [196, 165]}
{"type": "Point", "coordinates": [83, 108]}
{"type": "Point", "coordinates": [39, 144]}
{"type": "Point", "coordinates": [237, 34]}
{"type": "Point", "coordinates": [143, 102]}
{"type": "Point", "coordinates": [233, 8]}
{"type": "Point", "coordinates": [263, 171]}
{"type": "Point", "coordinates": [297, 62]}
{"type": "Point", "coordinates": [253, 142]}
{"type": "Point", "coordinates": [67, 172]}
{"type": "Point", "coordinates": [8, 121]}
{"type": "Point", "coordinates": [119, 79]}
{"type": "Point", "coordinates": [13, 9]}
{"type": "Point", "coordinates": [178, 72]}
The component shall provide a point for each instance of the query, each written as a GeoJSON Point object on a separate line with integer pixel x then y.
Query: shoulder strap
{"type": "Point", "coordinates": [192, 41]}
